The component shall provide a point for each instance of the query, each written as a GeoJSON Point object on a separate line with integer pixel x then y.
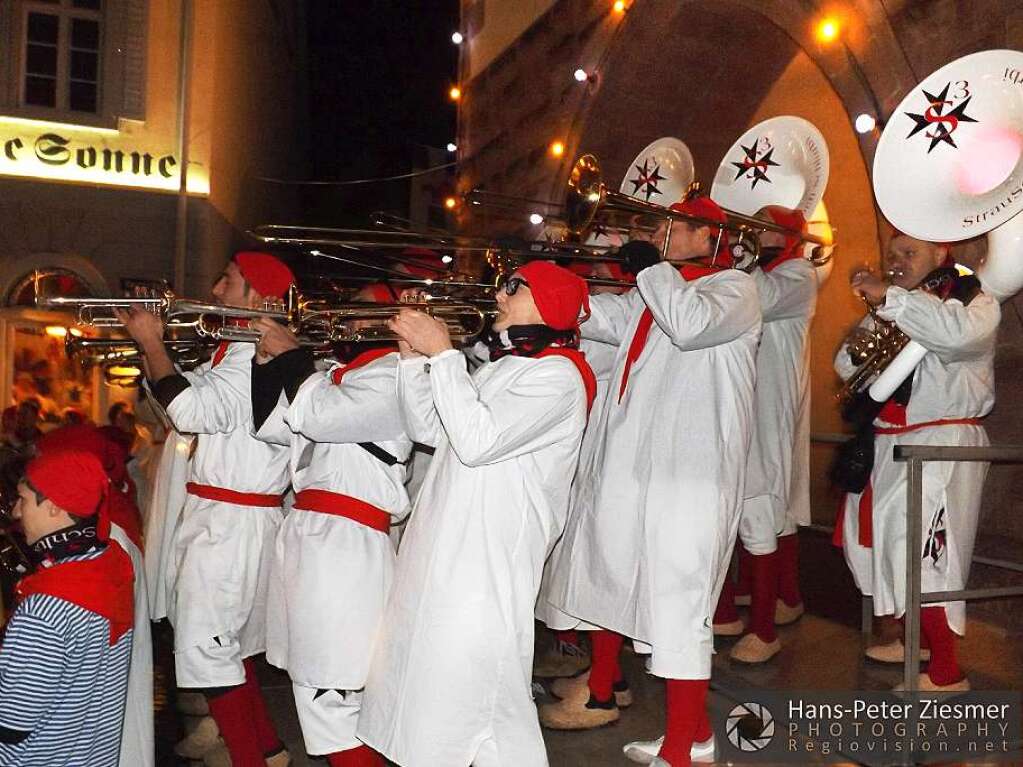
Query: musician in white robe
{"type": "Point", "coordinates": [656, 502]}
{"type": "Point", "coordinates": [450, 680]}
{"type": "Point", "coordinates": [942, 403]}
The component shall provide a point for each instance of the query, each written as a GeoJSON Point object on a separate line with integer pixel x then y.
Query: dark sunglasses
{"type": "Point", "coordinates": [511, 285]}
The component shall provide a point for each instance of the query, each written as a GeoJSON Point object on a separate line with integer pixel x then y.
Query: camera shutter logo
{"type": "Point", "coordinates": [750, 727]}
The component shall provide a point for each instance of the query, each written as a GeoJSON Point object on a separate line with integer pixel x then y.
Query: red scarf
{"type": "Point", "coordinates": [125, 514]}
{"type": "Point", "coordinates": [578, 359]}
{"type": "Point", "coordinates": [689, 273]}
{"type": "Point", "coordinates": [103, 585]}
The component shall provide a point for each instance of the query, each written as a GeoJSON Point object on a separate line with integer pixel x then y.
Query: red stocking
{"type": "Point", "coordinates": [765, 583]}
{"type": "Point", "coordinates": [232, 713]}
{"type": "Point", "coordinates": [361, 756]}
{"type": "Point", "coordinates": [744, 586]}
{"type": "Point", "coordinates": [266, 734]}
{"type": "Point", "coordinates": [604, 669]}
{"type": "Point", "coordinates": [687, 706]}
{"type": "Point", "coordinates": [726, 612]}
{"type": "Point", "coordinates": [944, 666]}
{"type": "Point", "coordinates": [788, 569]}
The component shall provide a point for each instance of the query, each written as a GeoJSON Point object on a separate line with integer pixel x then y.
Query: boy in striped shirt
{"type": "Point", "coordinates": [65, 652]}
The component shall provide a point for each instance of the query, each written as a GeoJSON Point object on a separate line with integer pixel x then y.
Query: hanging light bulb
{"type": "Point", "coordinates": [865, 123]}
{"type": "Point", "coordinates": [535, 219]}
{"type": "Point", "coordinates": [581, 75]}
{"type": "Point", "coordinates": [452, 146]}
{"type": "Point", "coordinates": [827, 29]}
{"type": "Point", "coordinates": [457, 38]}
{"type": "Point", "coordinates": [446, 259]}
{"type": "Point", "coordinates": [455, 93]}
{"type": "Point", "coordinates": [450, 202]}
{"type": "Point", "coordinates": [557, 148]}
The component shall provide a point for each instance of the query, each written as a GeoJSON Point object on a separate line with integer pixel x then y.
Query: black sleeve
{"type": "Point", "coordinates": [12, 736]}
{"type": "Point", "coordinates": [265, 392]}
{"type": "Point", "coordinates": [167, 388]}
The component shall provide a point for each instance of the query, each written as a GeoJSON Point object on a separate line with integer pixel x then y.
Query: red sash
{"type": "Point", "coordinates": [326, 502]}
{"type": "Point", "coordinates": [578, 359]}
{"type": "Point", "coordinates": [103, 585]}
{"type": "Point", "coordinates": [220, 353]}
{"type": "Point", "coordinates": [211, 493]}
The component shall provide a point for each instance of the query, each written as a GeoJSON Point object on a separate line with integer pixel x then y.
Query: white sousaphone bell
{"type": "Point", "coordinates": [780, 161]}
{"type": "Point", "coordinates": [949, 167]}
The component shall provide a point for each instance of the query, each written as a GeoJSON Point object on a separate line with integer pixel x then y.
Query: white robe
{"type": "Point", "coordinates": [162, 510]}
{"type": "Point", "coordinates": [452, 670]}
{"type": "Point", "coordinates": [656, 500]}
{"type": "Point", "coordinates": [777, 496]}
{"type": "Point", "coordinates": [137, 737]}
{"type": "Point", "coordinates": [954, 380]}
{"type": "Point", "coordinates": [330, 576]}
{"type": "Point", "coordinates": [218, 574]}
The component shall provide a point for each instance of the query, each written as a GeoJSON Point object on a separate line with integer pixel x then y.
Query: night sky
{"type": "Point", "coordinates": [379, 73]}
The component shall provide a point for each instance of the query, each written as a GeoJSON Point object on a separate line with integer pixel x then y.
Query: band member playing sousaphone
{"type": "Point", "coordinates": [940, 404]}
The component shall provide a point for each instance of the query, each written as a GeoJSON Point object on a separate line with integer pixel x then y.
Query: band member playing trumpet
{"type": "Point", "coordinates": [224, 538]}
{"type": "Point", "coordinates": [940, 404]}
{"type": "Point", "coordinates": [777, 496]}
{"type": "Point", "coordinates": [656, 499]}
{"type": "Point", "coordinates": [450, 680]}
{"type": "Point", "coordinates": [333, 560]}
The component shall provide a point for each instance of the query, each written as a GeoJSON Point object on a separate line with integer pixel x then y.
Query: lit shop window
{"type": "Point", "coordinates": [61, 69]}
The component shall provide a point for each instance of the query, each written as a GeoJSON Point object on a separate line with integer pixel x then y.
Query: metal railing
{"type": "Point", "coordinates": [915, 456]}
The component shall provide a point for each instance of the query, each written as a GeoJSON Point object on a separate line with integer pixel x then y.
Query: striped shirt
{"type": "Point", "coordinates": [63, 682]}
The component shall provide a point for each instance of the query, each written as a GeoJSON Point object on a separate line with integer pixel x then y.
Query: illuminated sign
{"type": "Point", "coordinates": [86, 155]}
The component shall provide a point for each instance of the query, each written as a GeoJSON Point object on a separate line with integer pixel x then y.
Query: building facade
{"type": "Point", "coordinates": [135, 140]}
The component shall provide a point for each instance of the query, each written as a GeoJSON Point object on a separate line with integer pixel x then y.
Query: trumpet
{"type": "Point", "coordinates": [124, 351]}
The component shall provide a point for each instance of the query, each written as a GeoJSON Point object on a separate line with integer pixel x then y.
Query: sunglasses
{"type": "Point", "coordinates": [511, 286]}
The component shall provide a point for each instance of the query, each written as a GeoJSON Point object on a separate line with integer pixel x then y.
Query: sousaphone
{"type": "Point", "coordinates": [781, 161]}
{"type": "Point", "coordinates": [949, 167]}
{"type": "Point", "coordinates": [661, 173]}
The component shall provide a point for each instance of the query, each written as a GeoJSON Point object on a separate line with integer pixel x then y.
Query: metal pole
{"type": "Point", "coordinates": [181, 217]}
{"type": "Point", "coordinates": [914, 545]}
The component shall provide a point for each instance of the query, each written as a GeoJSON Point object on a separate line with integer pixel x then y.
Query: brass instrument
{"type": "Point", "coordinates": [124, 351]}
{"type": "Point", "coordinates": [872, 355]}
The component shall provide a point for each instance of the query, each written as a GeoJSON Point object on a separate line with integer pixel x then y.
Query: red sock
{"type": "Point", "coordinates": [704, 731]}
{"type": "Point", "coordinates": [744, 585]}
{"type": "Point", "coordinates": [687, 705]}
{"type": "Point", "coordinates": [765, 591]}
{"type": "Point", "coordinates": [232, 713]}
{"type": "Point", "coordinates": [360, 756]}
{"type": "Point", "coordinates": [944, 666]}
{"type": "Point", "coordinates": [604, 669]}
{"type": "Point", "coordinates": [266, 734]}
{"type": "Point", "coordinates": [788, 570]}
{"type": "Point", "coordinates": [726, 612]}
{"type": "Point", "coordinates": [568, 637]}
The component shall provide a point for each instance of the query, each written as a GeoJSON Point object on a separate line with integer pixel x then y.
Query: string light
{"type": "Point", "coordinates": [457, 38]}
{"type": "Point", "coordinates": [557, 148]}
{"type": "Point", "coordinates": [455, 93]}
{"type": "Point", "coordinates": [865, 123]}
{"type": "Point", "coordinates": [580, 75]}
{"type": "Point", "coordinates": [827, 30]}
{"type": "Point", "coordinates": [452, 146]}
{"type": "Point", "coordinates": [535, 219]}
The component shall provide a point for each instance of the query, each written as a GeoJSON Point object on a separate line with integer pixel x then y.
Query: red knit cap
{"type": "Point", "coordinates": [73, 479]}
{"type": "Point", "coordinates": [559, 295]}
{"type": "Point", "coordinates": [706, 208]}
{"type": "Point", "coordinates": [793, 220]}
{"type": "Point", "coordinates": [267, 275]}
{"type": "Point", "coordinates": [432, 268]}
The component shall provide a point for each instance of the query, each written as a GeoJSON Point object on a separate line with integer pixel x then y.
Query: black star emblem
{"type": "Point", "coordinates": [342, 693]}
{"type": "Point", "coordinates": [751, 163]}
{"type": "Point", "coordinates": [944, 124]}
{"type": "Point", "coordinates": [648, 179]}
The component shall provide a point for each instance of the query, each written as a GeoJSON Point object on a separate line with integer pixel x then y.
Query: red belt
{"type": "Point", "coordinates": [925, 425]}
{"type": "Point", "coordinates": [340, 505]}
{"type": "Point", "coordinates": [211, 493]}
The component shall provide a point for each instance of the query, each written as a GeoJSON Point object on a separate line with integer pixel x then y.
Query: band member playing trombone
{"type": "Point", "coordinates": [777, 495]}
{"type": "Point", "coordinates": [450, 680]}
{"type": "Point", "coordinates": [333, 560]}
{"type": "Point", "coordinates": [656, 499]}
{"type": "Point", "coordinates": [224, 538]}
{"type": "Point", "coordinates": [940, 404]}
